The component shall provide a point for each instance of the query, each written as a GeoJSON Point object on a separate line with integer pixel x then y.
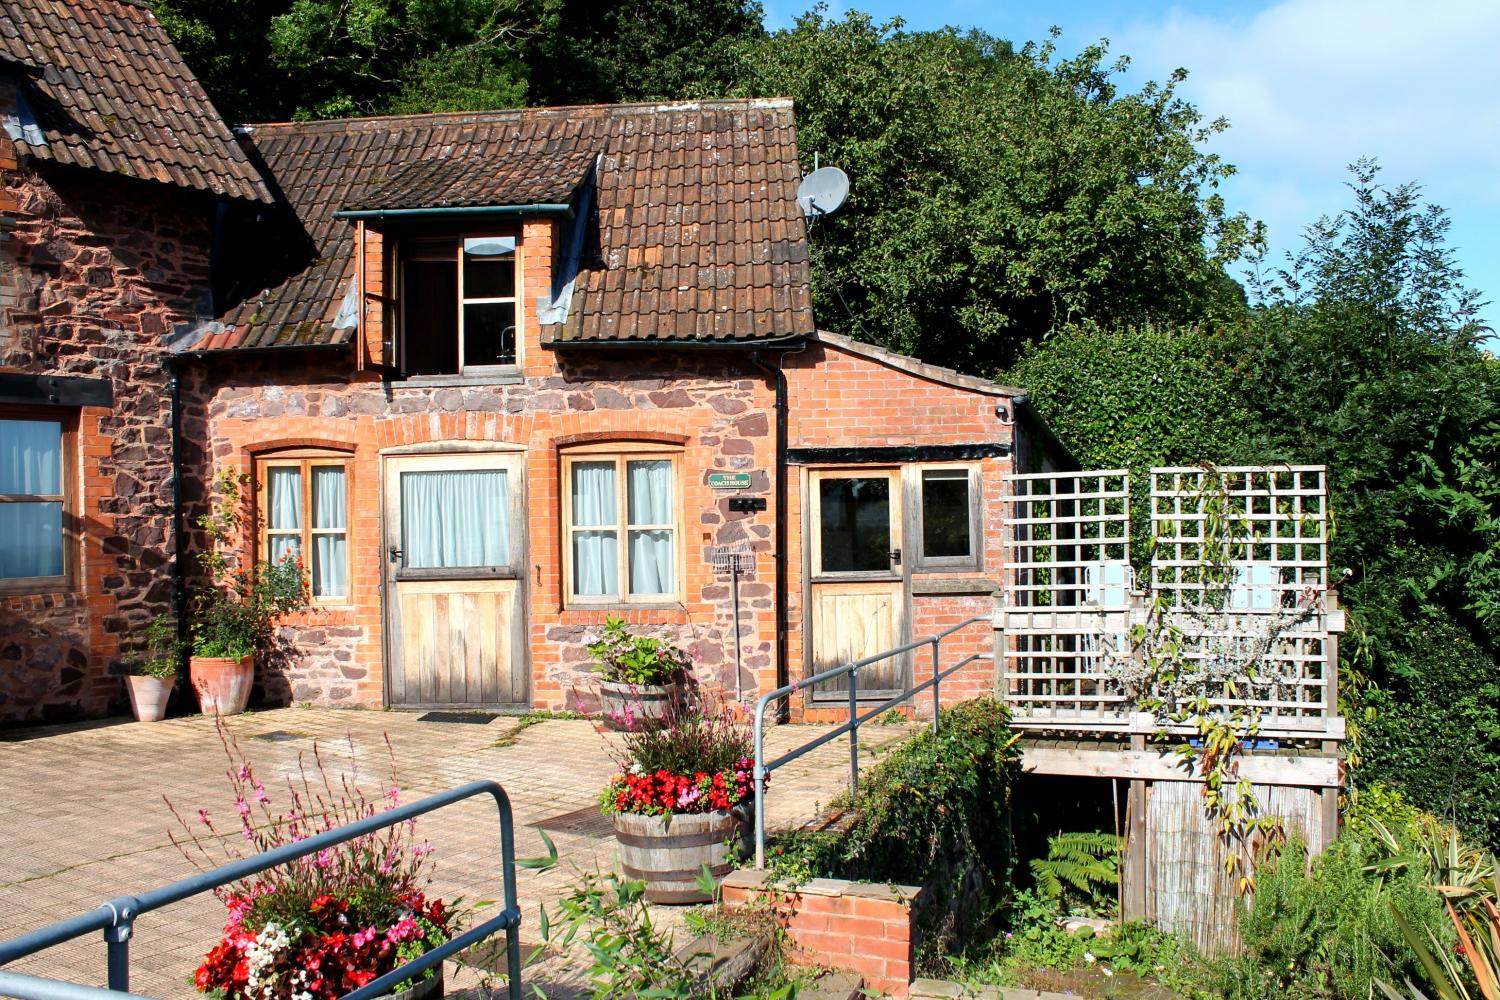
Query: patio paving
{"type": "Point", "coordinates": [84, 818]}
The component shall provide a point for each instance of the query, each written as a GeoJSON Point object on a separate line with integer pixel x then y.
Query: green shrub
{"type": "Point", "coordinates": [936, 812]}
{"type": "Point", "coordinates": [1326, 930]}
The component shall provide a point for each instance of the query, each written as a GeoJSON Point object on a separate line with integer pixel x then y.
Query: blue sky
{"type": "Point", "coordinates": [1308, 87]}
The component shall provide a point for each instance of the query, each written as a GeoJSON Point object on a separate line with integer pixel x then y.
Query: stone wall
{"type": "Point", "coordinates": [96, 271]}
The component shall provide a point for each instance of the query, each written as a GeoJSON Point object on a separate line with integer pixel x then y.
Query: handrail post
{"type": "Point", "coordinates": [853, 729]}
{"type": "Point", "coordinates": [937, 700]}
{"type": "Point", "coordinates": [117, 954]}
{"type": "Point", "coordinates": [759, 776]}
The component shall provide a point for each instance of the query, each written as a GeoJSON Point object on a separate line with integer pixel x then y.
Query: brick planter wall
{"type": "Point", "coordinates": [866, 928]}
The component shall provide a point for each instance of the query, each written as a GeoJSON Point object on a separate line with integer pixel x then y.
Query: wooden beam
{"type": "Point", "coordinates": [55, 390]}
{"type": "Point", "coordinates": [1150, 765]}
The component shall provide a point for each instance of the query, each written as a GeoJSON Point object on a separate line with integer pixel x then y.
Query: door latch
{"type": "Point", "coordinates": [896, 556]}
{"type": "Point", "coordinates": [395, 554]}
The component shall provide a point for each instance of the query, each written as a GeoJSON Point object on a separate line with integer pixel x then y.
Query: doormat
{"type": "Point", "coordinates": [279, 736]}
{"type": "Point", "coordinates": [468, 718]}
{"type": "Point", "coordinates": [585, 822]}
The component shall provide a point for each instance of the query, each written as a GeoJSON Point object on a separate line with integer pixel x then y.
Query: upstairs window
{"type": "Point", "coordinates": [459, 305]}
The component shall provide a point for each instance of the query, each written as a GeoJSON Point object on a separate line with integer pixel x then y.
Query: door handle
{"type": "Point", "coordinates": [395, 554]}
{"type": "Point", "coordinates": [896, 556]}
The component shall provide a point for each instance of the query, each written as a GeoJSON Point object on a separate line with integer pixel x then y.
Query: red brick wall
{"type": "Point", "coordinates": [842, 399]}
{"type": "Point", "coordinates": [96, 272]}
{"type": "Point", "coordinates": [859, 927]}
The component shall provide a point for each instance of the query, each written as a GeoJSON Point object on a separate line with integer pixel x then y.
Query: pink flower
{"type": "Point", "coordinates": [203, 818]}
{"type": "Point", "coordinates": [242, 807]}
{"type": "Point", "coordinates": [260, 793]}
{"type": "Point", "coordinates": [244, 772]}
{"type": "Point", "coordinates": [405, 929]}
{"type": "Point", "coordinates": [394, 795]}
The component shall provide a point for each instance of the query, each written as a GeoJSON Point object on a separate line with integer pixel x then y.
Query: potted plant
{"type": "Point", "coordinates": [682, 800]}
{"type": "Point", "coordinates": [236, 609]}
{"type": "Point", "coordinates": [151, 676]}
{"type": "Point", "coordinates": [640, 678]}
{"type": "Point", "coordinates": [326, 924]}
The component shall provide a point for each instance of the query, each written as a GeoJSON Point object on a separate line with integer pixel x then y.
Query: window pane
{"type": "Point", "coordinates": [650, 489]}
{"type": "Point", "coordinates": [328, 498]}
{"type": "Point", "coordinates": [596, 565]}
{"type": "Point", "coordinates": [330, 565]}
{"type": "Point", "coordinates": [593, 494]}
{"type": "Point", "coordinates": [945, 513]}
{"type": "Point", "coordinates": [455, 518]}
{"type": "Point", "coordinates": [651, 562]}
{"type": "Point", "coordinates": [30, 457]}
{"type": "Point", "coordinates": [490, 268]}
{"type": "Point", "coordinates": [282, 546]}
{"type": "Point", "coordinates": [284, 499]}
{"type": "Point", "coordinates": [31, 542]}
{"type": "Point", "coordinates": [856, 524]}
{"type": "Point", "coordinates": [430, 315]}
{"type": "Point", "coordinates": [490, 334]}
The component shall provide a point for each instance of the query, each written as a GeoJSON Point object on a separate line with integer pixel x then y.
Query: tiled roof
{"type": "Point", "coordinates": [105, 89]}
{"type": "Point", "coordinates": [519, 176]}
{"type": "Point", "coordinates": [698, 232]}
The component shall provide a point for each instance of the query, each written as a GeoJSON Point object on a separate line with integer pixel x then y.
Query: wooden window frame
{"type": "Point", "coordinates": [420, 248]}
{"type": "Point", "coordinates": [898, 522]}
{"type": "Point", "coordinates": [68, 480]}
{"type": "Point", "coordinates": [622, 455]}
{"type": "Point", "coordinates": [305, 461]}
{"type": "Point", "coordinates": [921, 561]}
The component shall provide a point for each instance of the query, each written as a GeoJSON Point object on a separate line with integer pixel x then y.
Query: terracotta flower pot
{"type": "Point", "coordinates": [223, 683]}
{"type": "Point", "coordinates": [630, 706]}
{"type": "Point", "coordinates": [148, 696]}
{"type": "Point", "coordinates": [668, 852]}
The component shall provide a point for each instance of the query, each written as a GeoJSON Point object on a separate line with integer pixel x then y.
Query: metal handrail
{"type": "Point", "coordinates": [851, 670]}
{"type": "Point", "coordinates": [117, 917]}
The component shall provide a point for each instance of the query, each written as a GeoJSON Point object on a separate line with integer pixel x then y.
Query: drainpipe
{"type": "Point", "coordinates": [179, 577]}
{"type": "Point", "coordinates": [778, 379]}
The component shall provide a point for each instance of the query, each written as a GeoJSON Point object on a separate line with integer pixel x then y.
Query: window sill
{"type": "Point", "coordinates": [953, 585]}
{"type": "Point", "coordinates": [500, 376]}
{"type": "Point", "coordinates": [633, 614]}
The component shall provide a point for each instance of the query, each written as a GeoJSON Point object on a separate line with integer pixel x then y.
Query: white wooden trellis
{"type": "Point", "coordinates": [1069, 586]}
{"type": "Point", "coordinates": [1069, 595]}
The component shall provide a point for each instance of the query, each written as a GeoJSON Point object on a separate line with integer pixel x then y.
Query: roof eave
{"type": "Point", "coordinates": [643, 343]}
{"type": "Point", "coordinates": [454, 211]}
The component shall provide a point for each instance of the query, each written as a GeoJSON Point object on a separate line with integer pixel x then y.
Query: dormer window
{"type": "Point", "coordinates": [459, 305]}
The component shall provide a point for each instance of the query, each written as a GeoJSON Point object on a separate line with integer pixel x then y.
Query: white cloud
{"type": "Point", "coordinates": [1311, 85]}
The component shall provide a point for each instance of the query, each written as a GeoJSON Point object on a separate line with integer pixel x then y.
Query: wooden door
{"type": "Point", "coordinates": [857, 586]}
{"type": "Point", "coordinates": [455, 621]}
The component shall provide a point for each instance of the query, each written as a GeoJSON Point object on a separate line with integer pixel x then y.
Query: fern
{"type": "Point", "coordinates": [1086, 861]}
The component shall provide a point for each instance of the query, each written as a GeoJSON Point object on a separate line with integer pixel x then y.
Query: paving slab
{"type": "Point", "coordinates": [85, 815]}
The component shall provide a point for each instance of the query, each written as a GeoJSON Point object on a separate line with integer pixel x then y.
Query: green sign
{"type": "Point", "coordinates": [729, 480]}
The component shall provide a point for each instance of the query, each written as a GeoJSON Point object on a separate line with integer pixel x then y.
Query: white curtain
{"type": "Point", "coordinates": [284, 513]}
{"type": "Point", "coordinates": [330, 556]}
{"type": "Point", "coordinates": [455, 518]}
{"type": "Point", "coordinates": [30, 532]}
{"type": "Point", "coordinates": [650, 503]}
{"type": "Point", "coordinates": [595, 553]}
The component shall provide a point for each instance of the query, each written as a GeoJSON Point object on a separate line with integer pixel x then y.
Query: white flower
{"type": "Point", "coordinates": [1088, 957]}
{"type": "Point", "coordinates": [1107, 970]}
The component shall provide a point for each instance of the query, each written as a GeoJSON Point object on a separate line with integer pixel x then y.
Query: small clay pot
{"type": "Point", "coordinates": [148, 696]}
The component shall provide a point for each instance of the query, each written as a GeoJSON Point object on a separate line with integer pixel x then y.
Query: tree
{"type": "Point", "coordinates": [997, 194]}
{"type": "Point", "coordinates": [645, 50]}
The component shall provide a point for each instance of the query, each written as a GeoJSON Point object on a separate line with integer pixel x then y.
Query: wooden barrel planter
{"type": "Point", "coordinates": [668, 852]}
{"type": "Point", "coordinates": [631, 706]}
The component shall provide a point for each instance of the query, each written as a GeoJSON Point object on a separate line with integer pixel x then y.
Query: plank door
{"type": "Point", "coordinates": [857, 587]}
{"type": "Point", "coordinates": [455, 622]}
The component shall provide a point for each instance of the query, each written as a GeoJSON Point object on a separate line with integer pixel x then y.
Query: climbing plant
{"type": "Point", "coordinates": [1191, 663]}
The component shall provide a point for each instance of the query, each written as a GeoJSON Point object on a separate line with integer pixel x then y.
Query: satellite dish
{"type": "Point", "coordinates": [823, 191]}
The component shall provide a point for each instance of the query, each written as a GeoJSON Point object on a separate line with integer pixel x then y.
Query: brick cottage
{"type": "Point", "coordinates": [496, 376]}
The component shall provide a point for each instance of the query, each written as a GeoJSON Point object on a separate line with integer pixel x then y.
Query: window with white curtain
{"type": "Point", "coordinates": [622, 527]}
{"type": "Point", "coordinates": [34, 502]}
{"type": "Point", "coordinates": [305, 514]}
